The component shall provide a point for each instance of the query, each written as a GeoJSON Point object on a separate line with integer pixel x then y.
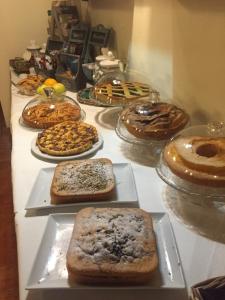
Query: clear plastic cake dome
{"type": "Point", "coordinates": [135, 120]}
{"type": "Point", "coordinates": [211, 132]}
{"type": "Point", "coordinates": [49, 109]}
{"type": "Point", "coordinates": [114, 87]}
{"type": "Point", "coordinates": [199, 207]}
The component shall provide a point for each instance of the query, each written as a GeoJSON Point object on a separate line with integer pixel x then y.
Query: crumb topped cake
{"type": "Point", "coordinates": [79, 180]}
{"type": "Point", "coordinates": [112, 245]}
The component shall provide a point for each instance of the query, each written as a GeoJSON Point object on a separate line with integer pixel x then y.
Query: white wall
{"type": "Point", "coordinates": [176, 45]}
{"type": "Point", "coordinates": [179, 46]}
{"type": "Point", "coordinates": [151, 46]}
{"type": "Point", "coordinates": [118, 15]}
{"type": "Point", "coordinates": [199, 58]}
{"type": "Point", "coordinates": [21, 21]}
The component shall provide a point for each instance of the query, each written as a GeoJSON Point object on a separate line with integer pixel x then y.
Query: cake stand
{"type": "Point", "coordinates": [216, 129]}
{"type": "Point", "coordinates": [201, 208]}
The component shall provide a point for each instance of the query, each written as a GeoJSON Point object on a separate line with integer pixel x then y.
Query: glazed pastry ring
{"type": "Point", "coordinates": [198, 159]}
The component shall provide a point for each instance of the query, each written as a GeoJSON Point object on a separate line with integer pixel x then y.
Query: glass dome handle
{"type": "Point", "coordinates": [49, 92]}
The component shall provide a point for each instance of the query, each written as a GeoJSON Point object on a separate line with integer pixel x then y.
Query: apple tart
{"type": "Point", "coordinates": [46, 114]}
{"type": "Point", "coordinates": [67, 138]}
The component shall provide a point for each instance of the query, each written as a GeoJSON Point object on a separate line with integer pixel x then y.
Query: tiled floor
{"type": "Point", "coordinates": [8, 252]}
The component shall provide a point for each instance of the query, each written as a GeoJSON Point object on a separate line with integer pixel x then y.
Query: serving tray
{"type": "Point", "coordinates": [125, 192]}
{"type": "Point", "coordinates": [49, 270]}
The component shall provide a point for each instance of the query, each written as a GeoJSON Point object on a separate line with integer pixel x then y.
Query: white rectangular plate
{"type": "Point", "coordinates": [125, 192]}
{"type": "Point", "coordinates": [49, 270]}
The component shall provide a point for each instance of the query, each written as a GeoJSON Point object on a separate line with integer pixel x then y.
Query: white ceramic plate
{"type": "Point", "coordinates": [49, 270]}
{"type": "Point", "coordinates": [125, 191]}
{"type": "Point", "coordinates": [36, 152]}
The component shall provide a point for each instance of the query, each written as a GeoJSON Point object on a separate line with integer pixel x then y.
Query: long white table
{"type": "Point", "coordinates": [201, 258]}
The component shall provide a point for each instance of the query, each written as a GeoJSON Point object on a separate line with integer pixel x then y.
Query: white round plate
{"type": "Point", "coordinates": [36, 152]}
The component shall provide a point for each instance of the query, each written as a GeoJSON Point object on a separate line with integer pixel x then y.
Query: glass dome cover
{"type": "Point", "coordinates": [114, 89]}
{"type": "Point", "coordinates": [47, 110]}
{"type": "Point", "coordinates": [147, 121]}
{"type": "Point", "coordinates": [201, 169]}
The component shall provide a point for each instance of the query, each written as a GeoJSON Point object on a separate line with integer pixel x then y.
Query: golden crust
{"type": "Point", "coordinates": [67, 138]}
{"type": "Point", "coordinates": [114, 245]}
{"type": "Point", "coordinates": [121, 93]}
{"type": "Point", "coordinates": [47, 114]}
{"type": "Point", "coordinates": [195, 168]}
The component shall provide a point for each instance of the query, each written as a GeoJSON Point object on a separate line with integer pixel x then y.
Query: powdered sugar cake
{"type": "Point", "coordinates": [80, 180]}
{"type": "Point", "coordinates": [112, 245]}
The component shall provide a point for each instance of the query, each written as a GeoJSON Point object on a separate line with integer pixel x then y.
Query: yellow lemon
{"type": "Point", "coordinates": [40, 89]}
{"type": "Point", "coordinates": [59, 88]}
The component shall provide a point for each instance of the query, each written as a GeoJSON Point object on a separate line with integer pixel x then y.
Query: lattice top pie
{"type": "Point", "coordinates": [67, 138]}
{"type": "Point", "coordinates": [120, 92]}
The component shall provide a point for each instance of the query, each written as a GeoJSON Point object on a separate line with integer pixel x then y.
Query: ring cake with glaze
{"type": "Point", "coordinates": [198, 159]}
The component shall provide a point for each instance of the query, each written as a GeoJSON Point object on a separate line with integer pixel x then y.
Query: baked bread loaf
{"type": "Point", "coordinates": [67, 138]}
{"type": "Point", "coordinates": [47, 114]}
{"type": "Point", "coordinates": [197, 159]}
{"type": "Point", "coordinates": [82, 180]}
{"type": "Point", "coordinates": [153, 120]}
{"type": "Point", "coordinates": [112, 245]}
{"type": "Point", "coordinates": [121, 92]}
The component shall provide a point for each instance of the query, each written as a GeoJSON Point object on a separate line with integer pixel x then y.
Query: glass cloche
{"type": "Point", "coordinates": [195, 180]}
{"type": "Point", "coordinates": [49, 109]}
{"type": "Point", "coordinates": [146, 121]}
{"type": "Point", "coordinates": [115, 89]}
{"type": "Point", "coordinates": [193, 161]}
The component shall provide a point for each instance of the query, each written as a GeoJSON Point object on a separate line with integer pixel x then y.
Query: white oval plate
{"type": "Point", "coordinates": [36, 152]}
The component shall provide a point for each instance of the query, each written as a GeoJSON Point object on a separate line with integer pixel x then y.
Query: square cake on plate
{"type": "Point", "coordinates": [112, 245]}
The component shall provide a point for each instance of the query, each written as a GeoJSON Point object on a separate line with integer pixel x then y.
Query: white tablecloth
{"type": "Point", "coordinates": [201, 258]}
